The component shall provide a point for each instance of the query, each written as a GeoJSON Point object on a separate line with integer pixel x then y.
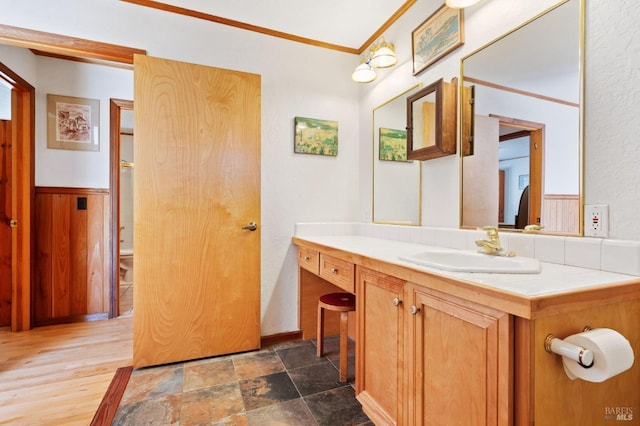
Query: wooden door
{"type": "Point", "coordinates": [379, 346]}
{"type": "Point", "coordinates": [196, 185]}
{"type": "Point", "coordinates": [459, 361]}
{"type": "Point", "coordinates": [5, 219]}
{"type": "Point", "coordinates": [480, 188]}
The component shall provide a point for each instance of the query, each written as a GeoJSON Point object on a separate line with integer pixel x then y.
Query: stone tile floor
{"type": "Point", "coordinates": [284, 384]}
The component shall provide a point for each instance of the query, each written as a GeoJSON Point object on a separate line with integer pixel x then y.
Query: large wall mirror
{"type": "Point", "coordinates": [396, 180]}
{"type": "Point", "coordinates": [522, 164]}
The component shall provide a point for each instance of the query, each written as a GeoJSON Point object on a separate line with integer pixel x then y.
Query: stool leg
{"type": "Point", "coordinates": [320, 335]}
{"type": "Point", "coordinates": [344, 344]}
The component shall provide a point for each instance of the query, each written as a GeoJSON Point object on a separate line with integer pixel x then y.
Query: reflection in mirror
{"type": "Point", "coordinates": [423, 121]}
{"type": "Point", "coordinates": [527, 88]}
{"type": "Point", "coordinates": [431, 121]}
{"type": "Point", "coordinates": [396, 181]}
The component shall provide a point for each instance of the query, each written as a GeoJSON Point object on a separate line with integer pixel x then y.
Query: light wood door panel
{"type": "Point", "coordinates": [379, 346]}
{"type": "Point", "coordinates": [480, 189]}
{"type": "Point", "coordinates": [197, 183]}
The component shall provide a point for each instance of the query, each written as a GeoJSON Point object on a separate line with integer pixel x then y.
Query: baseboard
{"type": "Point", "coordinates": [275, 339]}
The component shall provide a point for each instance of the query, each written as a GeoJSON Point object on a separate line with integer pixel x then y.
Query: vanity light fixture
{"type": "Point", "coordinates": [364, 73]}
{"type": "Point", "coordinates": [460, 4]}
{"type": "Point", "coordinates": [384, 55]}
{"type": "Point", "coordinates": [380, 55]}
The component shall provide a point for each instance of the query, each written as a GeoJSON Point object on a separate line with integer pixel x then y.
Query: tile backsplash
{"type": "Point", "coordinates": [621, 256]}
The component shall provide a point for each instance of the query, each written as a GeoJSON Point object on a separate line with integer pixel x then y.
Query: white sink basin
{"type": "Point", "coordinates": [471, 261]}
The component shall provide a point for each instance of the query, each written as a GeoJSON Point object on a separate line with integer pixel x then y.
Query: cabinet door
{"type": "Point", "coordinates": [459, 361]}
{"type": "Point", "coordinates": [379, 344]}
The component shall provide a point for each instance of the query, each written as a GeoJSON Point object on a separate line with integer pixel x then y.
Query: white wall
{"type": "Point", "coordinates": [308, 81]}
{"type": "Point", "coordinates": [5, 102]}
{"type": "Point", "coordinates": [297, 80]}
{"type": "Point", "coordinates": [612, 151]}
{"type": "Point", "coordinates": [440, 177]}
{"type": "Point", "coordinates": [20, 61]}
{"type": "Point", "coordinates": [79, 169]}
{"type": "Point", "coordinates": [612, 104]}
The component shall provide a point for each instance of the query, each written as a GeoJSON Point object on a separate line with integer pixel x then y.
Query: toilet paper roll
{"type": "Point", "coordinates": [612, 354]}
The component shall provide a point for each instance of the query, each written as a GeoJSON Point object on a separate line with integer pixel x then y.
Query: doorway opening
{"type": "Point", "coordinates": [18, 200]}
{"type": "Point", "coordinates": [521, 173]}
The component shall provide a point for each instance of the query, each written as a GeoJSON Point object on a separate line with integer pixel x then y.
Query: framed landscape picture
{"type": "Point", "coordinates": [393, 145]}
{"type": "Point", "coordinates": [73, 123]}
{"type": "Point", "coordinates": [314, 136]}
{"type": "Point", "coordinates": [436, 37]}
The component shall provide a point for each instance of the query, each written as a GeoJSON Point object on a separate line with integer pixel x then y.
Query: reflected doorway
{"type": "Point", "coordinates": [126, 212]}
{"type": "Point", "coordinates": [121, 198]}
{"type": "Point", "coordinates": [520, 155]}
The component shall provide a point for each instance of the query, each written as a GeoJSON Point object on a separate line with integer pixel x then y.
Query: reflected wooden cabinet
{"type": "Point", "coordinates": [432, 120]}
{"type": "Point", "coordinates": [379, 346]}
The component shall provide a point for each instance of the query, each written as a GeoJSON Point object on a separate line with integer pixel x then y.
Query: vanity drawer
{"type": "Point", "coordinates": [338, 272]}
{"type": "Point", "coordinates": [309, 260]}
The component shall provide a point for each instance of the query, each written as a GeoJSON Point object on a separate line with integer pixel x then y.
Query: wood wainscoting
{"type": "Point", "coordinates": [561, 213]}
{"type": "Point", "coordinates": [71, 281]}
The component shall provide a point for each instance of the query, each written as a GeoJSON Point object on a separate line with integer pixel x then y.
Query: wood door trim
{"type": "Point", "coordinates": [519, 92]}
{"type": "Point", "coordinates": [68, 47]}
{"type": "Point", "coordinates": [23, 139]}
{"type": "Point", "coordinates": [115, 108]}
{"type": "Point", "coordinates": [64, 190]}
{"type": "Point", "coordinates": [536, 165]}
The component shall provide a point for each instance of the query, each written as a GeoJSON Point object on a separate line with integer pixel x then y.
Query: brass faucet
{"type": "Point", "coordinates": [492, 244]}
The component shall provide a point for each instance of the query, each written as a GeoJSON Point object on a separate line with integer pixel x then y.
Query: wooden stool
{"type": "Point", "coordinates": [343, 303]}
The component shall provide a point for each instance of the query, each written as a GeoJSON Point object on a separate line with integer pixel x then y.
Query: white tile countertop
{"type": "Point", "coordinates": [553, 279]}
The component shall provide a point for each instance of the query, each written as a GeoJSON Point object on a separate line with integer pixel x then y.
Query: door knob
{"type": "Point", "coordinates": [251, 226]}
{"type": "Point", "coordinates": [13, 223]}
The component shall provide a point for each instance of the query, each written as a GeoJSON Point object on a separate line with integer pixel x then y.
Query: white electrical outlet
{"type": "Point", "coordinates": [596, 220]}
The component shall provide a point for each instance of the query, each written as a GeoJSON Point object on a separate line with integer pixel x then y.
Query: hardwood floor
{"type": "Point", "coordinates": [57, 375]}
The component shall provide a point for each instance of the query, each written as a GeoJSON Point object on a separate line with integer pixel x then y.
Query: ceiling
{"type": "Point", "coordinates": [346, 23]}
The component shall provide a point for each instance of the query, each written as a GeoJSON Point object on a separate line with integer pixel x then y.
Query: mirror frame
{"type": "Point", "coordinates": [468, 146]}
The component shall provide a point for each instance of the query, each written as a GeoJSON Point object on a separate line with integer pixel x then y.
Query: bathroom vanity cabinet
{"type": "Point", "coordinates": [450, 355]}
{"type": "Point", "coordinates": [438, 349]}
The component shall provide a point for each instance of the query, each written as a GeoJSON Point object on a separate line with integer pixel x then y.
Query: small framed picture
{"type": "Point", "coordinates": [439, 35]}
{"type": "Point", "coordinates": [314, 136]}
{"type": "Point", "coordinates": [73, 123]}
{"type": "Point", "coordinates": [393, 145]}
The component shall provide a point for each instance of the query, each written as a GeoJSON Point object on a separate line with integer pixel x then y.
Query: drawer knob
{"type": "Point", "coordinates": [396, 301]}
{"type": "Point", "coordinates": [414, 309]}
{"type": "Point", "coordinates": [334, 270]}
{"type": "Point", "coordinates": [306, 258]}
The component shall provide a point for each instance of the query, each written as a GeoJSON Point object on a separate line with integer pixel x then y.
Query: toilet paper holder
{"type": "Point", "coordinates": [582, 356]}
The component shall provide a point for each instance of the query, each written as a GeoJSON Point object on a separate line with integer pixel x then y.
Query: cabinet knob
{"type": "Point", "coordinates": [414, 309]}
{"type": "Point", "coordinates": [334, 270]}
{"type": "Point", "coordinates": [396, 301]}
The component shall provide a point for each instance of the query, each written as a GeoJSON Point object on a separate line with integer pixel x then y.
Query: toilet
{"type": "Point", "coordinates": [126, 266]}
